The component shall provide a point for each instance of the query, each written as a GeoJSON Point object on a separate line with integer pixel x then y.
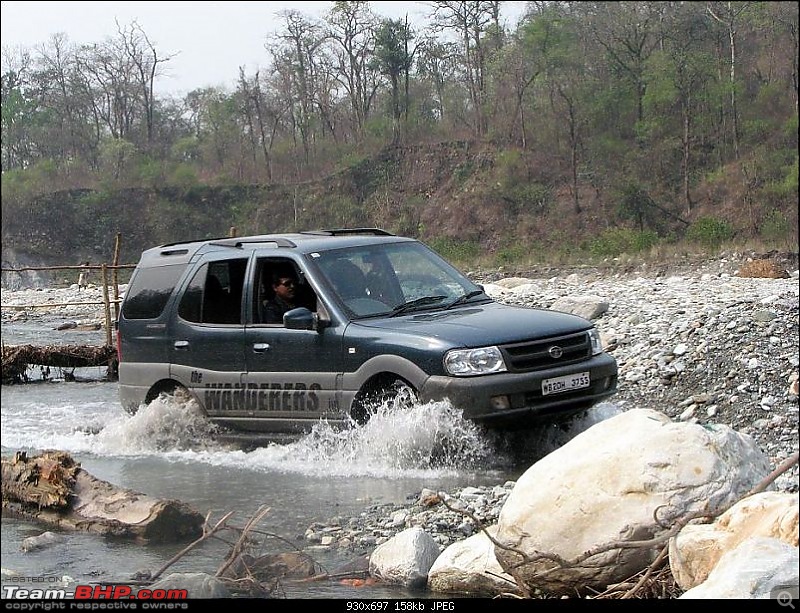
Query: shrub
{"type": "Point", "coordinates": [184, 176]}
{"type": "Point", "coordinates": [775, 226]}
{"type": "Point", "coordinates": [455, 250]}
{"type": "Point", "coordinates": [616, 241]}
{"type": "Point", "coordinates": [463, 171]}
{"type": "Point", "coordinates": [513, 254]}
{"type": "Point", "coordinates": [710, 232]}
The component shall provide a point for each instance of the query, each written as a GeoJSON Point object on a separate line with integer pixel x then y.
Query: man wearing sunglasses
{"type": "Point", "coordinates": [284, 287]}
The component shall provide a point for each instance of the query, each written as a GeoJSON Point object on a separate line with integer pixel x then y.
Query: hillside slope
{"type": "Point", "coordinates": [495, 200]}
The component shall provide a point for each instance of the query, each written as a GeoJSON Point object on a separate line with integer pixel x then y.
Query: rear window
{"type": "Point", "coordinates": [149, 290]}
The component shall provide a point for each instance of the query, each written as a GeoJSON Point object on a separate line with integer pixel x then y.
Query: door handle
{"type": "Point", "coordinates": [181, 344]}
{"type": "Point", "coordinates": [260, 347]}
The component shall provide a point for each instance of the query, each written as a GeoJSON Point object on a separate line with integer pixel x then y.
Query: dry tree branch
{"type": "Point", "coordinates": [240, 544]}
{"type": "Point", "coordinates": [207, 533]}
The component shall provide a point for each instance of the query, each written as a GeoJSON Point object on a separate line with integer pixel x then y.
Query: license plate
{"type": "Point", "coordinates": [567, 383]}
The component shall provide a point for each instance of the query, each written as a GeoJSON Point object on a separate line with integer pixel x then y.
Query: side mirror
{"type": "Point", "coordinates": [302, 319]}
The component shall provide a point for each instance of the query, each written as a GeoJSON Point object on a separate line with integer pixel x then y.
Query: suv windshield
{"type": "Point", "coordinates": [392, 278]}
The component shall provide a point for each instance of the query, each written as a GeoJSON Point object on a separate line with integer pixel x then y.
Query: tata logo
{"type": "Point", "coordinates": [555, 352]}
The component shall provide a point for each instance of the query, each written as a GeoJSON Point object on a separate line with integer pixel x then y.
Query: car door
{"type": "Point", "coordinates": [207, 335]}
{"type": "Point", "coordinates": [291, 374]}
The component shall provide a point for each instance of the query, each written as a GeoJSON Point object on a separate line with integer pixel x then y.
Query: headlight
{"type": "Point", "coordinates": [468, 362]}
{"type": "Point", "coordinates": [594, 339]}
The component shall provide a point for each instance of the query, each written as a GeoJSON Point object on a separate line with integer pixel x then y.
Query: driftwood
{"type": "Point", "coordinates": [17, 358]}
{"type": "Point", "coordinates": [52, 488]}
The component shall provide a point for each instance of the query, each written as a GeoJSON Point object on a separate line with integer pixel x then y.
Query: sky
{"type": "Point", "coordinates": [209, 41]}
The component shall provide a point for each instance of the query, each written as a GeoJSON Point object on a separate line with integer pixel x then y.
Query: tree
{"type": "Point", "coordinates": [18, 110]}
{"type": "Point", "coordinates": [144, 61]}
{"type": "Point", "coordinates": [681, 74]}
{"type": "Point", "coordinates": [728, 13]}
{"type": "Point", "coordinates": [394, 61]}
{"type": "Point", "coordinates": [351, 30]}
{"type": "Point", "coordinates": [295, 60]}
{"type": "Point", "coordinates": [470, 20]}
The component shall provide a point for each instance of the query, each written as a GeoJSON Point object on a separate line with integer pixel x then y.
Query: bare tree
{"type": "Point", "coordinates": [351, 32]}
{"type": "Point", "coordinates": [294, 60]}
{"type": "Point", "coordinates": [470, 19]}
{"type": "Point", "coordinates": [145, 61]}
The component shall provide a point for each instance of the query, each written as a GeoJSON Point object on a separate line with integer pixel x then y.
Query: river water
{"type": "Point", "coordinates": [168, 451]}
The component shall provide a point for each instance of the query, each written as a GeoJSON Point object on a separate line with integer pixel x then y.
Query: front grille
{"type": "Point", "coordinates": [538, 355]}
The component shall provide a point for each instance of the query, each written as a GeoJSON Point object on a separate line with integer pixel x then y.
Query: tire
{"type": "Point", "coordinates": [397, 395]}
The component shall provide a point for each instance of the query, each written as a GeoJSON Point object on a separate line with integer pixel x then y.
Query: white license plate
{"type": "Point", "coordinates": [567, 383]}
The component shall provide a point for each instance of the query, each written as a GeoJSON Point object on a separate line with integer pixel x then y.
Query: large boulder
{"type": "Point", "coordinates": [628, 478]}
{"type": "Point", "coordinates": [405, 559]}
{"type": "Point", "coordinates": [471, 567]}
{"type": "Point", "coordinates": [759, 567]}
{"type": "Point", "coordinates": [698, 548]}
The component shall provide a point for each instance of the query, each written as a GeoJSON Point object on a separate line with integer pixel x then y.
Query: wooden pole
{"type": "Point", "coordinates": [116, 276]}
{"type": "Point", "coordinates": [107, 306]}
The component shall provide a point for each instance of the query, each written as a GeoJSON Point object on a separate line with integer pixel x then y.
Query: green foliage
{"type": "Point", "coordinates": [710, 232]}
{"type": "Point", "coordinates": [616, 241]}
{"type": "Point", "coordinates": [117, 158]}
{"type": "Point", "coordinates": [463, 171]}
{"type": "Point", "coordinates": [528, 198]}
{"type": "Point", "coordinates": [379, 127]}
{"type": "Point", "coordinates": [790, 129]}
{"type": "Point", "coordinates": [150, 172]}
{"type": "Point", "coordinates": [454, 250]}
{"type": "Point", "coordinates": [186, 149]}
{"type": "Point", "coordinates": [510, 168]}
{"type": "Point", "coordinates": [184, 176]}
{"type": "Point", "coordinates": [757, 130]}
{"type": "Point", "coordinates": [341, 211]}
{"type": "Point", "coordinates": [351, 159]}
{"type": "Point", "coordinates": [513, 254]}
{"type": "Point", "coordinates": [775, 227]}
{"type": "Point", "coordinates": [16, 185]}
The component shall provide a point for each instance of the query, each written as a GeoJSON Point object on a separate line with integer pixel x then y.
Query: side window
{"type": "Point", "coordinates": [214, 295]}
{"type": "Point", "coordinates": [149, 291]}
{"type": "Point", "coordinates": [280, 287]}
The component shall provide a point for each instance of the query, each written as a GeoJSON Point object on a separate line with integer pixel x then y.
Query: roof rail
{"type": "Point", "coordinates": [347, 231]}
{"type": "Point", "coordinates": [194, 240]}
{"type": "Point", "coordinates": [237, 243]}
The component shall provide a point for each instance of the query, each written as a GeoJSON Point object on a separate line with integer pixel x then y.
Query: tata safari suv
{"type": "Point", "coordinates": [374, 317]}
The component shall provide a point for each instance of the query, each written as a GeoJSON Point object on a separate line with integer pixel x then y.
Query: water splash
{"type": "Point", "coordinates": [395, 440]}
{"type": "Point", "coordinates": [420, 439]}
{"type": "Point", "coordinates": [416, 440]}
{"type": "Point", "coordinates": [168, 423]}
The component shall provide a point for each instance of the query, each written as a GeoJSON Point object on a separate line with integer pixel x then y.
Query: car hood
{"type": "Point", "coordinates": [483, 324]}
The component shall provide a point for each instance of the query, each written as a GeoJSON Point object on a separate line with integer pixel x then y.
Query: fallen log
{"type": "Point", "coordinates": [17, 358]}
{"type": "Point", "coordinates": [53, 489]}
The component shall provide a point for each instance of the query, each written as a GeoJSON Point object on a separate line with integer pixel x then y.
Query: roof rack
{"type": "Point", "coordinates": [348, 231]}
{"type": "Point", "coordinates": [237, 243]}
{"type": "Point", "coordinates": [193, 240]}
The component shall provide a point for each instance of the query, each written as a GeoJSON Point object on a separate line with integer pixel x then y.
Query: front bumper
{"type": "Point", "coordinates": [523, 391]}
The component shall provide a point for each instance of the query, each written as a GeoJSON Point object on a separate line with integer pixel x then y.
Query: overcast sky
{"type": "Point", "coordinates": [209, 40]}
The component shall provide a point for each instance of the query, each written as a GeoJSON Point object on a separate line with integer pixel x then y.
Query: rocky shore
{"type": "Point", "coordinates": [700, 344]}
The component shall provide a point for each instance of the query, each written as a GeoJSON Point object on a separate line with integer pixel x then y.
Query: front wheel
{"type": "Point", "coordinates": [397, 395]}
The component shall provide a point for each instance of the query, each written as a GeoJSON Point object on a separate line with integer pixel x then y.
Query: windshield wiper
{"type": "Point", "coordinates": [465, 297]}
{"type": "Point", "coordinates": [417, 302]}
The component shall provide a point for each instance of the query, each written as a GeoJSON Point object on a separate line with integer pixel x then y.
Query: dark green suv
{"type": "Point", "coordinates": [366, 316]}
